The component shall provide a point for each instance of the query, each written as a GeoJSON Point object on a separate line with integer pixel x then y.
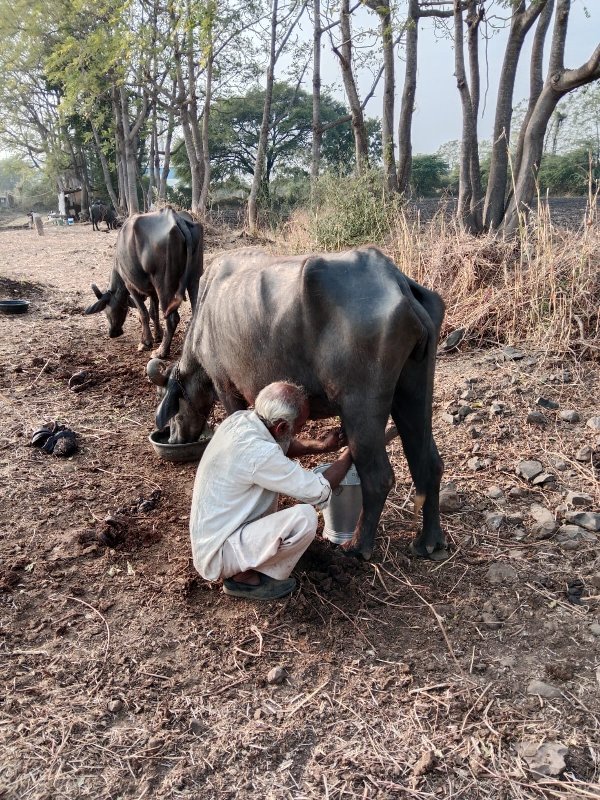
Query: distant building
{"type": "Point", "coordinates": [7, 200]}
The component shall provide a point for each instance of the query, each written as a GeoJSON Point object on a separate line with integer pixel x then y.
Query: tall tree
{"type": "Point", "coordinates": [283, 26]}
{"type": "Point", "coordinates": [559, 82]}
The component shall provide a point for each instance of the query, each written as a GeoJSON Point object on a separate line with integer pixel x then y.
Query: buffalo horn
{"type": "Point", "coordinates": [96, 291]}
{"type": "Point", "coordinates": [155, 371]}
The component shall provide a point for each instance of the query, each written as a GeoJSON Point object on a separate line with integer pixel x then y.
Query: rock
{"type": "Point", "coordinates": [560, 465]}
{"type": "Point", "coordinates": [595, 628]}
{"type": "Point", "coordinates": [491, 621]}
{"type": "Point", "coordinates": [568, 415]}
{"type": "Point", "coordinates": [197, 727]}
{"type": "Point", "coordinates": [543, 689]}
{"type": "Point", "coordinates": [547, 759]}
{"type": "Point", "coordinates": [451, 419]}
{"type": "Point", "coordinates": [517, 492]}
{"type": "Point", "coordinates": [494, 492]}
{"type": "Point", "coordinates": [493, 521]}
{"type": "Point", "coordinates": [579, 499]}
{"type": "Point", "coordinates": [512, 354]}
{"type": "Point", "coordinates": [464, 411]}
{"type": "Point", "coordinates": [541, 513]}
{"type": "Point", "coordinates": [537, 418]}
{"type": "Point", "coordinates": [496, 409]}
{"type": "Point", "coordinates": [543, 479]}
{"type": "Point", "coordinates": [514, 518]}
{"type": "Point", "coordinates": [584, 453]}
{"type": "Point", "coordinates": [569, 537]}
{"type": "Point", "coordinates": [454, 339]}
{"type": "Point", "coordinates": [276, 675]}
{"type": "Point", "coordinates": [450, 500]}
{"type": "Point", "coordinates": [590, 520]}
{"type": "Point", "coordinates": [529, 469]}
{"type": "Point", "coordinates": [519, 534]}
{"type": "Point", "coordinates": [474, 432]}
{"type": "Point", "coordinates": [543, 529]}
{"type": "Point", "coordinates": [475, 464]}
{"type": "Point", "coordinates": [545, 403]}
{"type": "Point", "coordinates": [593, 423]}
{"type": "Point", "coordinates": [501, 573]}
{"type": "Point", "coordinates": [114, 706]}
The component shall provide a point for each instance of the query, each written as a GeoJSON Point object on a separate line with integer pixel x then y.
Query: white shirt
{"type": "Point", "coordinates": [239, 476]}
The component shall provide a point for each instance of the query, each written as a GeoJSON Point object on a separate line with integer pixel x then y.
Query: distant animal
{"type": "Point", "coordinates": [158, 255]}
{"type": "Point", "coordinates": [100, 212]}
{"type": "Point", "coordinates": [354, 331]}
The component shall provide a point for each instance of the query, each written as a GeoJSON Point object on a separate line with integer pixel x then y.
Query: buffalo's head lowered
{"type": "Point", "coordinates": [116, 304]}
{"type": "Point", "coordinates": [186, 400]}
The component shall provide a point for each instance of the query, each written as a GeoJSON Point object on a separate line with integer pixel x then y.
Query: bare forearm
{"type": "Point", "coordinates": [336, 473]}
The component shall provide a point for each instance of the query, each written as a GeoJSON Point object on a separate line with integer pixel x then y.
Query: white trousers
{"type": "Point", "coordinates": [272, 544]}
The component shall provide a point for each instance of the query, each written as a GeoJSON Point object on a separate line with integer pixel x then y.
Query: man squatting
{"type": "Point", "coordinates": [238, 535]}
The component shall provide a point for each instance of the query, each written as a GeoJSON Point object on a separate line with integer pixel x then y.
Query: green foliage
{"type": "Point", "coordinates": [567, 173]}
{"type": "Point", "coordinates": [31, 187]}
{"type": "Point", "coordinates": [235, 126]}
{"type": "Point", "coordinates": [429, 175]}
{"type": "Point", "coordinates": [349, 211]}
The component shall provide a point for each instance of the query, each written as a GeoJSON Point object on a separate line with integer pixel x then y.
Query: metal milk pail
{"type": "Point", "coordinates": [341, 515]}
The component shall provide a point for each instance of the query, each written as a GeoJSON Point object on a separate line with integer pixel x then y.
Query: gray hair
{"type": "Point", "coordinates": [280, 401]}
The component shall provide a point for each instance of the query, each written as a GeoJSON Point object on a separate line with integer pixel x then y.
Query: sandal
{"type": "Point", "coordinates": [268, 588]}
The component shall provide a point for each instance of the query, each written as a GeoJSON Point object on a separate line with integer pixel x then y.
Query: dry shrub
{"type": "Point", "coordinates": [543, 287]}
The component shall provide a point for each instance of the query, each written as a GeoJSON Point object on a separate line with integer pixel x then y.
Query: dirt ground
{"type": "Point", "coordinates": [125, 676]}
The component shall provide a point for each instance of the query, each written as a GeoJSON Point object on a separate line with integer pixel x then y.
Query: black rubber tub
{"type": "Point", "coordinates": [14, 306]}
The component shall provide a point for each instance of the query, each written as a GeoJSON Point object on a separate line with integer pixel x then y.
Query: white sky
{"type": "Point", "coordinates": [437, 117]}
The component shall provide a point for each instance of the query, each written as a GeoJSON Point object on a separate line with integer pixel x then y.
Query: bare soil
{"type": "Point", "coordinates": [126, 676]}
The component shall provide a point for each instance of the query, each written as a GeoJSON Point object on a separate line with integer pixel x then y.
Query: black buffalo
{"type": "Point", "coordinates": [100, 212]}
{"type": "Point", "coordinates": [158, 255]}
{"type": "Point", "coordinates": [352, 329]}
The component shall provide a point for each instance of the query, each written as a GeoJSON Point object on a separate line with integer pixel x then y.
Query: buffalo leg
{"type": "Point", "coordinates": [155, 317]}
{"type": "Point", "coordinates": [366, 438]}
{"type": "Point", "coordinates": [411, 412]}
{"type": "Point", "coordinates": [146, 342]}
{"type": "Point", "coordinates": [171, 323]}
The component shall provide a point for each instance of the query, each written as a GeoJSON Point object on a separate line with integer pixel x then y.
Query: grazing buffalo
{"type": "Point", "coordinates": [352, 329]}
{"type": "Point", "coordinates": [158, 255]}
{"type": "Point", "coordinates": [99, 212]}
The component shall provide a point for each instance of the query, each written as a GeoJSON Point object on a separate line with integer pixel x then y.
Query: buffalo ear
{"type": "Point", "coordinates": [100, 305]}
{"type": "Point", "coordinates": [96, 291]}
{"type": "Point", "coordinates": [169, 406]}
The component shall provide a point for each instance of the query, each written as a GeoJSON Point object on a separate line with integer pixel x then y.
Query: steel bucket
{"type": "Point", "coordinates": [342, 513]}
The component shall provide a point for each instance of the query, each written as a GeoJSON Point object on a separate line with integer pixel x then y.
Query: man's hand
{"type": "Point", "coordinates": [334, 440]}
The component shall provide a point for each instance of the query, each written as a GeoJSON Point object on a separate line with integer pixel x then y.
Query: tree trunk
{"type": "Point", "coordinates": [559, 82]}
{"type": "Point", "coordinates": [344, 54]}
{"type": "Point", "coordinates": [536, 80]}
{"type": "Point", "coordinates": [408, 98]}
{"type": "Point", "coordinates": [205, 121]}
{"type": "Point", "coordinates": [387, 125]}
{"type": "Point", "coordinates": [162, 188]}
{"type": "Point", "coordinates": [130, 157]}
{"type": "Point", "coordinates": [317, 133]}
{"type": "Point", "coordinates": [473, 19]}
{"type": "Point", "coordinates": [521, 22]}
{"type": "Point", "coordinates": [104, 166]}
{"type": "Point", "coordinates": [465, 191]}
{"type": "Point", "coordinates": [264, 130]}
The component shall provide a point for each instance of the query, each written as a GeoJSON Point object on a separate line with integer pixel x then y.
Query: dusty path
{"type": "Point", "coordinates": [126, 677]}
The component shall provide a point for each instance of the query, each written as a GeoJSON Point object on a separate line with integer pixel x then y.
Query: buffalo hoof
{"type": "Point", "coordinates": [160, 353]}
{"type": "Point", "coordinates": [143, 346]}
{"type": "Point", "coordinates": [437, 552]}
{"type": "Point", "coordinates": [357, 551]}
